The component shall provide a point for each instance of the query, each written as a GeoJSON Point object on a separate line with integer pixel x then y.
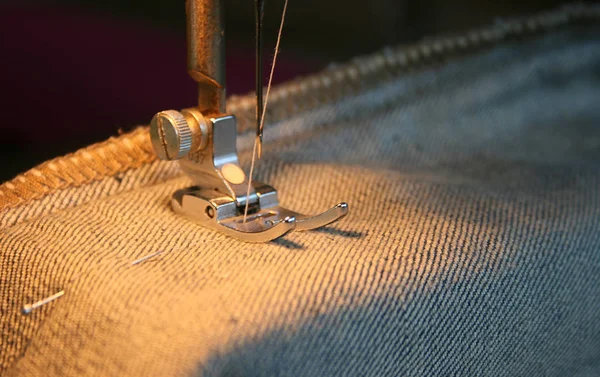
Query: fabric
{"type": "Point", "coordinates": [471, 247]}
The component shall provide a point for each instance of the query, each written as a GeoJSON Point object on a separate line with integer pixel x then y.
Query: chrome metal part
{"type": "Point", "coordinates": [31, 307]}
{"type": "Point", "coordinates": [217, 166]}
{"type": "Point", "coordinates": [267, 221]}
{"type": "Point", "coordinates": [171, 135]}
{"type": "Point", "coordinates": [174, 134]}
{"type": "Point", "coordinates": [219, 199]}
{"type": "Point", "coordinates": [203, 139]}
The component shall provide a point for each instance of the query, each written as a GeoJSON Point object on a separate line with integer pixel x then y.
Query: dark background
{"type": "Point", "coordinates": [74, 72]}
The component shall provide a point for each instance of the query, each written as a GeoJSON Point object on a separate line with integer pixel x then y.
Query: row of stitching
{"type": "Point", "coordinates": [132, 150]}
{"type": "Point", "coordinates": [93, 163]}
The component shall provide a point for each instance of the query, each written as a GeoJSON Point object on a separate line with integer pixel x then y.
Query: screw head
{"type": "Point", "coordinates": [171, 135]}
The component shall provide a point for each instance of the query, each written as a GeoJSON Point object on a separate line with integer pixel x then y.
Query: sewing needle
{"type": "Point", "coordinates": [259, 9]}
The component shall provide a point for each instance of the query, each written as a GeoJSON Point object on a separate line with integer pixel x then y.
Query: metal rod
{"type": "Point", "coordinates": [30, 307]}
{"type": "Point", "coordinates": [206, 53]}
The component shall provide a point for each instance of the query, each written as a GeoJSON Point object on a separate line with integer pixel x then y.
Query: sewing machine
{"type": "Point", "coordinates": [203, 139]}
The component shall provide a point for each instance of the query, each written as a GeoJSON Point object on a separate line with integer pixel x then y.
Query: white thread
{"type": "Point", "coordinates": [262, 119]}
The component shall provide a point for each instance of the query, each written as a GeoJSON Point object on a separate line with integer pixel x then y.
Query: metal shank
{"type": "Point", "coordinates": [206, 53]}
{"type": "Point", "coordinates": [209, 167]}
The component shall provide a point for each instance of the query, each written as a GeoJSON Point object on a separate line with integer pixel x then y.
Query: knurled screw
{"type": "Point", "coordinates": [171, 135]}
{"type": "Point", "coordinates": [174, 134]}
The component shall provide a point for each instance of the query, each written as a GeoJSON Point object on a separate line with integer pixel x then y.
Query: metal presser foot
{"type": "Point", "coordinates": [219, 198]}
{"type": "Point", "coordinates": [203, 139]}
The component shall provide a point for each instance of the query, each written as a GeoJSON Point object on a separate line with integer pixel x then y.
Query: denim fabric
{"type": "Point", "coordinates": [472, 246]}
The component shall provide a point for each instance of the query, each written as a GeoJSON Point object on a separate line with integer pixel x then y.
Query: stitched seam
{"type": "Point", "coordinates": [93, 163]}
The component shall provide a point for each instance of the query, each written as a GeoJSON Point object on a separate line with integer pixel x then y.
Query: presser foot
{"type": "Point", "coordinates": [266, 220]}
{"type": "Point", "coordinates": [206, 149]}
{"type": "Point", "coordinates": [203, 139]}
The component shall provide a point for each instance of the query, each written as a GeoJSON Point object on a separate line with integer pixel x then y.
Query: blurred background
{"type": "Point", "coordinates": [75, 72]}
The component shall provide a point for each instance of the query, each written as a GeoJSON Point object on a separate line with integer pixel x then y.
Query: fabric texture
{"type": "Point", "coordinates": [472, 246]}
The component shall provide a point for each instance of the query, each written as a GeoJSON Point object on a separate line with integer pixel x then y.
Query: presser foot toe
{"type": "Point", "coordinates": [257, 230]}
{"type": "Point", "coordinates": [307, 222]}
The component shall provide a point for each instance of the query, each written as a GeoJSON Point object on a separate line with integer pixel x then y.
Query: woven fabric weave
{"type": "Point", "coordinates": [472, 246]}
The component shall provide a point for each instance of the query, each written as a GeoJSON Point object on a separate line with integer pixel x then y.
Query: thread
{"type": "Point", "coordinates": [258, 139]}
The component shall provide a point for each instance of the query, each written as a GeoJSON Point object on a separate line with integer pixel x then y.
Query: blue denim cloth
{"type": "Point", "coordinates": [472, 246]}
